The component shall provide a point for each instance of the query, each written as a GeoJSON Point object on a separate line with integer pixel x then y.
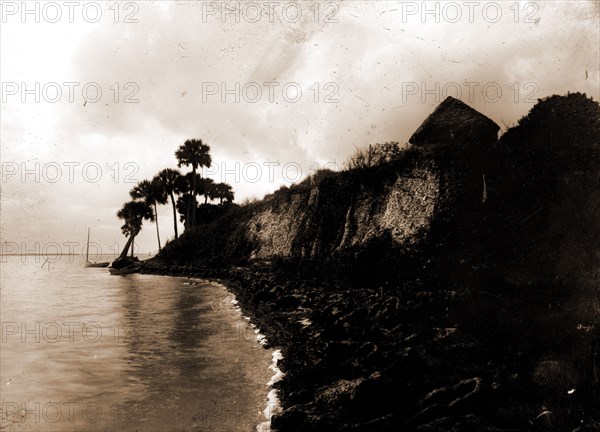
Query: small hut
{"type": "Point", "coordinates": [453, 121]}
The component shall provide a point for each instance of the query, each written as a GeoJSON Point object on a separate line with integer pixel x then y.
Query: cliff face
{"type": "Point", "coordinates": [332, 214]}
{"type": "Point", "coordinates": [350, 210]}
{"type": "Point", "coordinates": [506, 205]}
{"type": "Point", "coordinates": [327, 219]}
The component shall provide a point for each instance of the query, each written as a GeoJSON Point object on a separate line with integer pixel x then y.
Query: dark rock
{"type": "Point", "coordinates": [465, 423]}
{"type": "Point", "coordinates": [368, 401]}
{"type": "Point", "coordinates": [545, 421]}
{"type": "Point", "coordinates": [457, 399]}
{"type": "Point", "coordinates": [265, 296]}
{"type": "Point", "coordinates": [289, 302]}
{"type": "Point", "coordinates": [556, 376]}
{"type": "Point", "coordinates": [292, 419]}
{"type": "Point", "coordinates": [340, 393]}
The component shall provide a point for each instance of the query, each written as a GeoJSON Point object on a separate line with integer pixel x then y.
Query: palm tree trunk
{"type": "Point", "coordinates": [132, 245]}
{"type": "Point", "coordinates": [126, 248]}
{"type": "Point", "coordinates": [174, 214]}
{"type": "Point", "coordinates": [188, 215]}
{"type": "Point", "coordinates": [193, 195]}
{"type": "Point", "coordinates": [156, 220]}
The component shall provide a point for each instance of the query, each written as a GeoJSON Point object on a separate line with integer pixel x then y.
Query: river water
{"type": "Point", "coordinates": [85, 351]}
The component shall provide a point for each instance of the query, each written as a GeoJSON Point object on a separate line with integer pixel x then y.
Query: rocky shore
{"type": "Point", "coordinates": [366, 360]}
{"type": "Point", "coordinates": [479, 312]}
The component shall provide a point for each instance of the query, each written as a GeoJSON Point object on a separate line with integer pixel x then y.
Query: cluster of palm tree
{"type": "Point", "coordinates": [169, 182]}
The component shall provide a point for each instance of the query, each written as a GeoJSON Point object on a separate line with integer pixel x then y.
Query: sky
{"type": "Point", "coordinates": [98, 95]}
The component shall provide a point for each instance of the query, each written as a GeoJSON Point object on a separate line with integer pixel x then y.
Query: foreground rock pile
{"type": "Point", "coordinates": [365, 360]}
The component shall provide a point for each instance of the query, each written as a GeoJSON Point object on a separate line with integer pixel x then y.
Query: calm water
{"type": "Point", "coordinates": [85, 351]}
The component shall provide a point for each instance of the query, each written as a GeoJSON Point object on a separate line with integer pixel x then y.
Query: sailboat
{"type": "Point", "coordinates": [88, 263]}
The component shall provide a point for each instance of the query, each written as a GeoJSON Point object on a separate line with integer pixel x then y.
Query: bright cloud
{"type": "Point", "coordinates": [382, 65]}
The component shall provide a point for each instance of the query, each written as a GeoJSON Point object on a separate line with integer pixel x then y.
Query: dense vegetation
{"type": "Point", "coordinates": [168, 183]}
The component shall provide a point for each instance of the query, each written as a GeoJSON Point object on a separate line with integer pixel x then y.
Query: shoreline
{"type": "Point", "coordinates": [362, 359]}
{"type": "Point", "coordinates": [272, 402]}
{"type": "Point", "coordinates": [273, 405]}
{"type": "Point", "coordinates": [326, 378]}
{"type": "Point", "coordinates": [269, 335]}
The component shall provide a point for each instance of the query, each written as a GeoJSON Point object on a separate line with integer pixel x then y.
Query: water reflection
{"type": "Point", "coordinates": [167, 359]}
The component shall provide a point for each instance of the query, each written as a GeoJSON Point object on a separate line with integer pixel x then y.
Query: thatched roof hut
{"type": "Point", "coordinates": [454, 121]}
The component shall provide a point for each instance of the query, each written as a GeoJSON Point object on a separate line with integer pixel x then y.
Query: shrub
{"type": "Point", "coordinates": [374, 155]}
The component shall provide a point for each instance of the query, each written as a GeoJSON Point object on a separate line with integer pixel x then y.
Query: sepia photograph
{"type": "Point", "coordinates": [300, 216]}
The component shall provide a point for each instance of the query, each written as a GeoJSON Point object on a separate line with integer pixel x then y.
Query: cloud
{"type": "Point", "coordinates": [365, 64]}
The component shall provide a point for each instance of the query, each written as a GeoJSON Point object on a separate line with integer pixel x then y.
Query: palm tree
{"type": "Point", "coordinates": [223, 191]}
{"type": "Point", "coordinates": [133, 213]}
{"type": "Point", "coordinates": [152, 193]}
{"type": "Point", "coordinates": [195, 153]}
{"type": "Point", "coordinates": [184, 203]}
{"type": "Point", "coordinates": [206, 187]}
{"type": "Point", "coordinates": [186, 200]}
{"type": "Point", "coordinates": [168, 179]}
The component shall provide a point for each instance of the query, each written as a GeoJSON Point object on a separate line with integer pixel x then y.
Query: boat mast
{"type": "Point", "coordinates": [87, 249]}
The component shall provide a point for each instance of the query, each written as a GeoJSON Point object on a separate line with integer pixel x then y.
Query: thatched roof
{"type": "Point", "coordinates": [455, 121]}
